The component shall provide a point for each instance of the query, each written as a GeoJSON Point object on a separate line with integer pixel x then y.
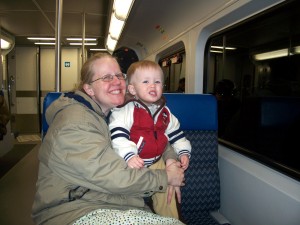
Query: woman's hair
{"type": "Point", "coordinates": [143, 64]}
{"type": "Point", "coordinates": [87, 70]}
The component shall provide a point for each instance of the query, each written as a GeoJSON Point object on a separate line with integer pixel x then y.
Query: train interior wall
{"type": "Point", "coordinates": [252, 193]}
{"type": "Point", "coordinates": [31, 74]}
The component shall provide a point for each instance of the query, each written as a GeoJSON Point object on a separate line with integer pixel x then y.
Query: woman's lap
{"type": "Point", "coordinates": [118, 217]}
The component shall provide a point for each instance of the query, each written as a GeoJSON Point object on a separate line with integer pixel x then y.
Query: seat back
{"type": "Point", "coordinates": [49, 98]}
{"type": "Point", "coordinates": [197, 114]}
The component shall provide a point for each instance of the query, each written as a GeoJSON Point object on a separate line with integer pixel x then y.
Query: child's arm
{"type": "Point", "coordinates": [184, 160]}
{"type": "Point", "coordinates": [177, 139]}
{"type": "Point", "coordinates": [120, 122]}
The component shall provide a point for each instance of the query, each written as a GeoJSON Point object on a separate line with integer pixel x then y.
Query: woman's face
{"type": "Point", "coordinates": [107, 94]}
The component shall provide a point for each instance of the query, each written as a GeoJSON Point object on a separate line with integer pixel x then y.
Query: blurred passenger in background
{"type": "Point", "coordinates": [228, 104]}
{"type": "Point", "coordinates": [181, 86]}
{"type": "Point", "coordinates": [4, 115]}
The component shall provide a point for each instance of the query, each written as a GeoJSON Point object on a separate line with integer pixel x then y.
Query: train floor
{"type": "Point", "coordinates": [17, 185]}
{"type": "Point", "coordinates": [22, 145]}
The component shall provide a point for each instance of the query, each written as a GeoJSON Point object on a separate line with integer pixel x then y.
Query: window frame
{"type": "Point", "coordinates": [211, 81]}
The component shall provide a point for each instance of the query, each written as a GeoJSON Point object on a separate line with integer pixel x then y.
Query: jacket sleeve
{"type": "Point", "coordinates": [177, 137]}
{"type": "Point", "coordinates": [169, 153]}
{"type": "Point", "coordinates": [80, 152]}
{"type": "Point", "coordinates": [120, 123]}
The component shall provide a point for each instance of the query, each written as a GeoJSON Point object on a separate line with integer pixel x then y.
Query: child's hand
{"type": "Point", "coordinates": [184, 160]}
{"type": "Point", "coordinates": [135, 162]}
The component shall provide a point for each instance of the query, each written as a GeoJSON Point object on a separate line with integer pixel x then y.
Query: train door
{"type": "Point", "coordinates": [70, 70]}
{"type": "Point", "coordinates": [31, 75]}
{"type": "Point", "coordinates": [23, 82]}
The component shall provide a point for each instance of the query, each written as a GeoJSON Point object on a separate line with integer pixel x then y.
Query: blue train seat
{"type": "Point", "coordinates": [198, 117]}
{"type": "Point", "coordinates": [197, 114]}
{"type": "Point", "coordinates": [49, 98]}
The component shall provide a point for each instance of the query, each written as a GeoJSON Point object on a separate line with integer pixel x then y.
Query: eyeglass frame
{"type": "Point", "coordinates": [111, 77]}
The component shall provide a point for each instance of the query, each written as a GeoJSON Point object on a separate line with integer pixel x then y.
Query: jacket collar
{"type": "Point", "coordinates": [131, 98]}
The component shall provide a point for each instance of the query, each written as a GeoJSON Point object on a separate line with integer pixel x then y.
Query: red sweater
{"type": "Point", "coordinates": [154, 138]}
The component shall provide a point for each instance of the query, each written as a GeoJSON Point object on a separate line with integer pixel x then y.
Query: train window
{"type": "Point", "coordinates": [173, 67]}
{"type": "Point", "coordinates": [125, 57]}
{"type": "Point", "coordinates": [253, 69]}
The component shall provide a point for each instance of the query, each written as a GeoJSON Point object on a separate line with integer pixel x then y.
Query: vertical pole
{"type": "Point", "coordinates": [224, 58]}
{"type": "Point", "coordinates": [59, 10]}
{"type": "Point", "coordinates": [1, 61]}
{"type": "Point", "coordinates": [83, 37]}
{"type": "Point", "coordinates": [38, 87]}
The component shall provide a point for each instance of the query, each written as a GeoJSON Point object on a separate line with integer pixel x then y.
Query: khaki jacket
{"type": "Point", "coordinates": [80, 172]}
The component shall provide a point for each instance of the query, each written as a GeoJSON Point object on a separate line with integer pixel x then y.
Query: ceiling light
{"type": "Point", "coordinates": [79, 43]}
{"type": "Point", "coordinates": [277, 53]}
{"type": "Point", "coordinates": [80, 39]}
{"type": "Point", "coordinates": [122, 8]}
{"type": "Point", "coordinates": [44, 43]}
{"type": "Point", "coordinates": [297, 50]}
{"type": "Point", "coordinates": [120, 12]}
{"type": "Point", "coordinates": [272, 54]}
{"type": "Point", "coordinates": [41, 38]}
{"type": "Point", "coordinates": [98, 49]}
{"type": "Point", "coordinates": [115, 27]}
{"type": "Point", "coordinates": [215, 51]}
{"type": "Point", "coordinates": [221, 47]}
{"type": "Point", "coordinates": [111, 43]}
{"type": "Point", "coordinates": [5, 44]}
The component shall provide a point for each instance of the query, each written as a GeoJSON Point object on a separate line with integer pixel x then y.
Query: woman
{"type": "Point", "coordinates": [81, 179]}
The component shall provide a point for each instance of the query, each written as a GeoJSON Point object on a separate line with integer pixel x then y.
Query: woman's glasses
{"type": "Point", "coordinates": [110, 77]}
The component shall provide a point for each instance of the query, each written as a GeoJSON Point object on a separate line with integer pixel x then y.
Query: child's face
{"type": "Point", "coordinates": [147, 85]}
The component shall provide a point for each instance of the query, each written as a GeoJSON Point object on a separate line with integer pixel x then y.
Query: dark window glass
{"type": "Point", "coordinates": [125, 57]}
{"type": "Point", "coordinates": [253, 69]}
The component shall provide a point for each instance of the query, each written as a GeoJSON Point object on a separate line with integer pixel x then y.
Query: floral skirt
{"type": "Point", "coordinates": [128, 217]}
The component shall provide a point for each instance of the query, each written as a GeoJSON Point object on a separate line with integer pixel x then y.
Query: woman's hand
{"type": "Point", "coordinates": [175, 173]}
{"type": "Point", "coordinates": [170, 194]}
